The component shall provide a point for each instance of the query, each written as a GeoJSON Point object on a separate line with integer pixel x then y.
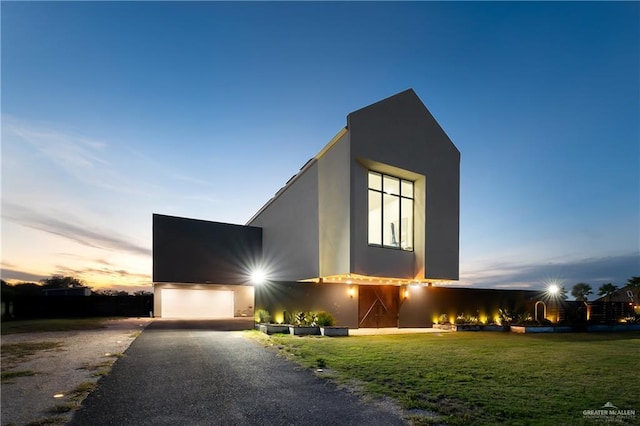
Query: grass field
{"type": "Point", "coordinates": [41, 325]}
{"type": "Point", "coordinates": [485, 378]}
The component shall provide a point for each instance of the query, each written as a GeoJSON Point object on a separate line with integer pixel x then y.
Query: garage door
{"type": "Point", "coordinates": [183, 303]}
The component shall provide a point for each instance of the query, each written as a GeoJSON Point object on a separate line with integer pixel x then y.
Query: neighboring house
{"type": "Point", "coordinates": [363, 230]}
{"type": "Point", "coordinates": [621, 295]}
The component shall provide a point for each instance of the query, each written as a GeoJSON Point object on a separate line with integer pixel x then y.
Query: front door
{"type": "Point", "coordinates": [378, 306]}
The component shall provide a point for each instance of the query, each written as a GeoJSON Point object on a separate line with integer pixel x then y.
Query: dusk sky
{"type": "Point", "coordinates": [113, 111]}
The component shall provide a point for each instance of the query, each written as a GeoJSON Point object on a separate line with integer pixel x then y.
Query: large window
{"type": "Point", "coordinates": [390, 211]}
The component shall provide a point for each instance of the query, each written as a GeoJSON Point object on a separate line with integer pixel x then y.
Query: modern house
{"type": "Point", "coordinates": [368, 230]}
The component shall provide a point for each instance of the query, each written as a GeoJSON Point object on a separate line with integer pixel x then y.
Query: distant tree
{"type": "Point", "coordinates": [27, 289]}
{"type": "Point", "coordinates": [143, 293]}
{"type": "Point", "coordinates": [7, 290]}
{"type": "Point", "coordinates": [60, 281]}
{"type": "Point", "coordinates": [581, 291]}
{"type": "Point", "coordinates": [607, 290]}
{"type": "Point", "coordinates": [110, 292]}
{"type": "Point", "coordinates": [562, 293]}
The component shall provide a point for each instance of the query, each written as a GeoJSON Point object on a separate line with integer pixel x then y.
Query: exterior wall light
{"type": "Point", "coordinates": [258, 276]}
{"type": "Point", "coordinates": [351, 291]}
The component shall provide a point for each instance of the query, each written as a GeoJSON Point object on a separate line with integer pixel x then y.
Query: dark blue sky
{"type": "Point", "coordinates": [114, 110]}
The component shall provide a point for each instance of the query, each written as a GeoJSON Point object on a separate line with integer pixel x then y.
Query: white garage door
{"type": "Point", "coordinates": [189, 303]}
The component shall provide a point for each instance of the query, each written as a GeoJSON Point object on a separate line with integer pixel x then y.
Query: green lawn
{"type": "Point", "coordinates": [61, 324]}
{"type": "Point", "coordinates": [485, 378]}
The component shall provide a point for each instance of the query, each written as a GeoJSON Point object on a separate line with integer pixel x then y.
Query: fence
{"type": "Point", "coordinates": [78, 306]}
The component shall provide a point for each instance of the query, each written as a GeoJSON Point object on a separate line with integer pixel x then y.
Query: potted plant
{"type": "Point", "coordinates": [327, 322]}
{"type": "Point", "coordinates": [263, 320]}
{"type": "Point", "coordinates": [304, 323]}
{"type": "Point", "coordinates": [467, 323]}
{"type": "Point", "coordinates": [444, 323]}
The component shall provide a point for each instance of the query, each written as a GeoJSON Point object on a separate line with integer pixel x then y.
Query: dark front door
{"type": "Point", "coordinates": [378, 306]}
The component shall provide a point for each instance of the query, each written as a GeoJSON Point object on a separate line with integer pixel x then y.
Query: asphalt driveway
{"type": "Point", "coordinates": [198, 373]}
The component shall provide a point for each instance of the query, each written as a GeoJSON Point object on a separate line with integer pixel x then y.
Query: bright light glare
{"type": "Point", "coordinates": [553, 289]}
{"type": "Point", "coordinates": [258, 276]}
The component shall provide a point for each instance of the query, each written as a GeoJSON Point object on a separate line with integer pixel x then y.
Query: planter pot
{"type": "Point", "coordinates": [492, 328]}
{"type": "Point", "coordinates": [274, 328]}
{"type": "Point", "coordinates": [540, 329]}
{"type": "Point", "coordinates": [527, 329]}
{"type": "Point", "coordinates": [450, 327]}
{"type": "Point", "coordinates": [613, 327]}
{"type": "Point", "coordinates": [457, 327]}
{"type": "Point", "coordinates": [467, 327]}
{"type": "Point", "coordinates": [334, 331]}
{"type": "Point", "coordinates": [304, 330]}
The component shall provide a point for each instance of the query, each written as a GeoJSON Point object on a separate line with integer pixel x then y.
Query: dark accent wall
{"type": "Point", "coordinates": [198, 251]}
{"type": "Point", "coordinates": [277, 297]}
{"type": "Point", "coordinates": [424, 305]}
{"type": "Point", "coordinates": [420, 309]}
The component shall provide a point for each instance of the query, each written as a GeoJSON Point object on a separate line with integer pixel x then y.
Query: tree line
{"type": "Point", "coordinates": [60, 282]}
{"type": "Point", "coordinates": [581, 291]}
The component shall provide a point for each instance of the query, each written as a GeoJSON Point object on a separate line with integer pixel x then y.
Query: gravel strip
{"type": "Point", "coordinates": [80, 360]}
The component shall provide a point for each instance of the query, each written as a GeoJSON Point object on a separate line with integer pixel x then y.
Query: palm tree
{"type": "Point", "coordinates": [581, 291]}
{"type": "Point", "coordinates": [607, 290]}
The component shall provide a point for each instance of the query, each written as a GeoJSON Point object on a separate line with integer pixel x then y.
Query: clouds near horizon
{"type": "Point", "coordinates": [596, 271]}
{"type": "Point", "coordinates": [72, 229]}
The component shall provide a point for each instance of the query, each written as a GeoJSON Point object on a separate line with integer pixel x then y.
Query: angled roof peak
{"type": "Point", "coordinates": [405, 94]}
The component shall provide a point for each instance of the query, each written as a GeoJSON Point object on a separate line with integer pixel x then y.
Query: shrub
{"type": "Point", "coordinates": [466, 319]}
{"type": "Point", "coordinates": [525, 318]}
{"type": "Point", "coordinates": [304, 318]}
{"type": "Point", "coordinates": [325, 319]}
{"type": "Point", "coordinates": [299, 318]}
{"type": "Point", "coordinates": [262, 316]}
{"type": "Point", "coordinates": [443, 319]}
{"type": "Point", "coordinates": [505, 316]}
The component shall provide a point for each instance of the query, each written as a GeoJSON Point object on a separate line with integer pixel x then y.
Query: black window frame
{"type": "Point", "coordinates": [400, 197]}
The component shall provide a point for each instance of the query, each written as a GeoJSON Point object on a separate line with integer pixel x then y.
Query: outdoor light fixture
{"type": "Point", "coordinates": [553, 289]}
{"type": "Point", "coordinates": [406, 293]}
{"type": "Point", "coordinates": [258, 276]}
{"type": "Point", "coordinates": [351, 292]}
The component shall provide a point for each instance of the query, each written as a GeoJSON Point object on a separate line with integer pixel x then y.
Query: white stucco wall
{"type": "Point", "coordinates": [289, 224]}
{"type": "Point", "coordinates": [334, 203]}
